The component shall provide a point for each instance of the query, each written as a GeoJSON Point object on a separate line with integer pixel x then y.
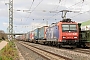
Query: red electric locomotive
{"type": "Point", "coordinates": [68, 32]}
{"type": "Point", "coordinates": [65, 32]}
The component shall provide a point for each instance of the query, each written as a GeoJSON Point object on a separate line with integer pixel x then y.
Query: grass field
{"type": "Point", "coordinates": [9, 52]}
{"type": "Point", "coordinates": [0, 40]}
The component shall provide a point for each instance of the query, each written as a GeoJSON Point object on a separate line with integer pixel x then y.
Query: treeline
{"type": "Point", "coordinates": [3, 35]}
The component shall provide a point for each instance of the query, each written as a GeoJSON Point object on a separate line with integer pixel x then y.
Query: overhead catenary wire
{"type": "Point", "coordinates": [74, 4]}
{"type": "Point", "coordinates": [58, 12]}
{"type": "Point", "coordinates": [79, 14]}
{"type": "Point", "coordinates": [30, 7]}
{"type": "Point", "coordinates": [56, 9]}
{"type": "Point", "coordinates": [82, 1]}
{"type": "Point", "coordinates": [34, 9]}
{"type": "Point", "coordinates": [53, 15]}
{"type": "Point", "coordinates": [58, 5]}
{"type": "Point", "coordinates": [40, 2]}
{"type": "Point", "coordinates": [37, 5]}
{"type": "Point", "coordinates": [81, 6]}
{"type": "Point", "coordinates": [68, 8]}
{"type": "Point", "coordinates": [50, 17]}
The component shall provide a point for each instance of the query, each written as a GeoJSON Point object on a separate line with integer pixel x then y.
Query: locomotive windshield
{"type": "Point", "coordinates": [69, 27]}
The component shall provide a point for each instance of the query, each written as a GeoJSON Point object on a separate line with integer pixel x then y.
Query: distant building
{"type": "Point", "coordinates": [85, 25]}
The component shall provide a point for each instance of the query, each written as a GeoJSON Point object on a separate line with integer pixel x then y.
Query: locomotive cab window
{"type": "Point", "coordinates": [65, 27]}
{"type": "Point", "coordinates": [69, 27]}
{"type": "Point", "coordinates": [73, 27]}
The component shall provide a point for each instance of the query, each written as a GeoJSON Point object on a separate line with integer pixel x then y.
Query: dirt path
{"type": "Point", "coordinates": [3, 44]}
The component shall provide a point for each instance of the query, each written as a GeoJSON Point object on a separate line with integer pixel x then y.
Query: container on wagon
{"type": "Point", "coordinates": [42, 33]}
{"type": "Point", "coordinates": [36, 34]}
{"type": "Point", "coordinates": [27, 36]}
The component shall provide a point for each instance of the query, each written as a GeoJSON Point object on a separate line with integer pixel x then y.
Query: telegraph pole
{"type": "Point", "coordinates": [11, 19]}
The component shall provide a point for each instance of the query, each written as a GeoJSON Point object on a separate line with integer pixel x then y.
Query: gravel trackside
{"type": "Point", "coordinates": [28, 54]}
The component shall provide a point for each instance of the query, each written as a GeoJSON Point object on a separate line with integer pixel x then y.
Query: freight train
{"type": "Point", "coordinates": [62, 33]}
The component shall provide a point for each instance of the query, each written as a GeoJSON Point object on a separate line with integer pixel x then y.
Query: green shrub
{"type": "Point", "coordinates": [9, 52]}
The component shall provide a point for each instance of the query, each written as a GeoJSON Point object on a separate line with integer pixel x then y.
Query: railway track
{"type": "Point", "coordinates": [82, 50]}
{"type": "Point", "coordinates": [79, 50]}
{"type": "Point", "coordinates": [46, 54]}
{"type": "Point", "coordinates": [63, 53]}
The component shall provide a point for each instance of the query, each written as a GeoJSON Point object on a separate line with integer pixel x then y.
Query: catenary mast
{"type": "Point", "coordinates": [11, 19]}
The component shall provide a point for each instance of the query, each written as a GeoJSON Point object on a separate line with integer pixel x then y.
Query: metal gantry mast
{"type": "Point", "coordinates": [11, 19]}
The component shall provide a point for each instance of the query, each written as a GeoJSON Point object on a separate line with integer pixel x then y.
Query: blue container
{"type": "Point", "coordinates": [36, 34]}
{"type": "Point", "coordinates": [52, 33]}
{"type": "Point", "coordinates": [42, 32]}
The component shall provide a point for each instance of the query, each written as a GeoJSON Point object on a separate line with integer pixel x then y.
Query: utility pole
{"type": "Point", "coordinates": [11, 19]}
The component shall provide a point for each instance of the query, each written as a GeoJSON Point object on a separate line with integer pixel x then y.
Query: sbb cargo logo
{"type": "Point", "coordinates": [71, 33]}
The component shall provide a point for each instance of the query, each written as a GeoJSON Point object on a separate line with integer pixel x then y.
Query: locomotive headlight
{"type": "Point", "coordinates": [75, 37]}
{"type": "Point", "coordinates": [64, 37]}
